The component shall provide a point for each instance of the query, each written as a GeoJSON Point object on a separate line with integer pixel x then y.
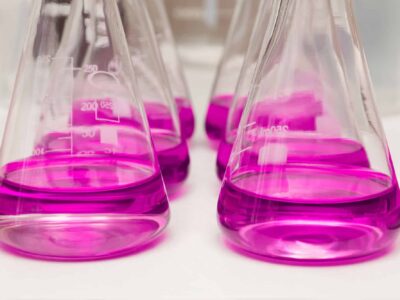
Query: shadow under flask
{"type": "Point", "coordinates": [79, 175]}
{"type": "Point", "coordinates": [296, 194]}
{"type": "Point", "coordinates": [170, 56]}
{"type": "Point", "coordinates": [236, 45]}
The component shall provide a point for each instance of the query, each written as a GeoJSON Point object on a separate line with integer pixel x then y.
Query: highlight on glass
{"type": "Point", "coordinates": [262, 31]}
{"type": "Point", "coordinates": [152, 80]}
{"type": "Point", "coordinates": [310, 178]}
{"type": "Point", "coordinates": [79, 176]}
{"type": "Point", "coordinates": [229, 68]}
{"type": "Point", "coordinates": [166, 41]}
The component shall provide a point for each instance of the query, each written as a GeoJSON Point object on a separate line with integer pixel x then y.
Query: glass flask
{"type": "Point", "coordinates": [79, 176]}
{"type": "Point", "coordinates": [382, 46]}
{"type": "Point", "coordinates": [13, 26]}
{"type": "Point", "coordinates": [320, 191]}
{"type": "Point", "coordinates": [161, 109]}
{"type": "Point", "coordinates": [240, 96]}
{"type": "Point", "coordinates": [229, 68]}
{"type": "Point", "coordinates": [169, 53]}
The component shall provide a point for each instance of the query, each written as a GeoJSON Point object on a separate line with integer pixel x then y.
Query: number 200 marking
{"type": "Point", "coordinates": [89, 106]}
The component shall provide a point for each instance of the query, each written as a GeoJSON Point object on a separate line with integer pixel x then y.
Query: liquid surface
{"type": "Point", "coordinates": [159, 116]}
{"type": "Point", "coordinates": [308, 213]}
{"type": "Point", "coordinates": [289, 149]}
{"type": "Point", "coordinates": [77, 208]}
{"type": "Point", "coordinates": [298, 112]}
{"type": "Point", "coordinates": [110, 126]}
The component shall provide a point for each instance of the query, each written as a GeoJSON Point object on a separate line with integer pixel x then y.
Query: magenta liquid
{"type": "Point", "coordinates": [75, 208]}
{"type": "Point", "coordinates": [309, 212]}
{"type": "Point", "coordinates": [173, 156]}
{"type": "Point", "coordinates": [339, 151]}
{"type": "Point", "coordinates": [224, 153]}
{"type": "Point", "coordinates": [186, 117]}
{"type": "Point", "coordinates": [111, 128]}
{"type": "Point", "coordinates": [159, 117]}
{"type": "Point", "coordinates": [172, 151]}
{"type": "Point", "coordinates": [298, 112]}
{"type": "Point", "coordinates": [217, 116]}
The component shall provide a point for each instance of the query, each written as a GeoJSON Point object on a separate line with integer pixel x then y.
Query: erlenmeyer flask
{"type": "Point", "coordinates": [295, 193]}
{"type": "Point", "coordinates": [169, 53]}
{"type": "Point", "coordinates": [13, 27]}
{"type": "Point", "coordinates": [161, 109]}
{"type": "Point", "coordinates": [79, 177]}
{"type": "Point", "coordinates": [228, 71]}
{"type": "Point", "coordinates": [260, 33]}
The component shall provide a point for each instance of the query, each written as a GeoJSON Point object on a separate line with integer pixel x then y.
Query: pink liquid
{"type": "Point", "coordinates": [173, 157]}
{"type": "Point", "coordinates": [159, 117]}
{"type": "Point", "coordinates": [224, 153]}
{"type": "Point", "coordinates": [172, 151]}
{"type": "Point", "coordinates": [301, 212]}
{"type": "Point", "coordinates": [186, 117]}
{"type": "Point", "coordinates": [298, 112]}
{"type": "Point", "coordinates": [77, 208]}
{"type": "Point", "coordinates": [115, 132]}
{"type": "Point", "coordinates": [315, 150]}
{"type": "Point", "coordinates": [217, 116]}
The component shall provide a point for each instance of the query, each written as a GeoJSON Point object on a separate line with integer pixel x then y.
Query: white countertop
{"type": "Point", "coordinates": [192, 262]}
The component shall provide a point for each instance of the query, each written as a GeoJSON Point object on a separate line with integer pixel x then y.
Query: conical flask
{"type": "Point", "coordinates": [79, 175]}
{"type": "Point", "coordinates": [312, 195]}
{"type": "Point", "coordinates": [236, 46]}
{"type": "Point", "coordinates": [170, 56]}
{"type": "Point", "coordinates": [260, 36]}
{"type": "Point", "coordinates": [161, 109]}
{"type": "Point", "coordinates": [13, 27]}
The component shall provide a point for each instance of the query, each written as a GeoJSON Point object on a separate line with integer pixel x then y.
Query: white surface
{"type": "Point", "coordinates": [192, 262]}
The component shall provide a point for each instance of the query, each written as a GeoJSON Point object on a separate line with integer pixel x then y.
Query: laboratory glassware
{"type": "Point", "coordinates": [382, 47]}
{"type": "Point", "coordinates": [229, 68]}
{"type": "Point", "coordinates": [239, 98]}
{"type": "Point", "coordinates": [161, 109]}
{"type": "Point", "coordinates": [325, 191]}
{"type": "Point", "coordinates": [13, 27]}
{"type": "Point", "coordinates": [79, 176]}
{"type": "Point", "coordinates": [170, 56]}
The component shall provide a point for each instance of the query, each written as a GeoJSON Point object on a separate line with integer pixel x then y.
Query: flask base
{"type": "Point", "coordinates": [311, 242]}
{"type": "Point", "coordinates": [310, 212]}
{"type": "Point", "coordinates": [66, 237]}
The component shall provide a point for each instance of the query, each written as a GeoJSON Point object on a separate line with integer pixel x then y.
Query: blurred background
{"type": "Point", "coordinates": [200, 27]}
